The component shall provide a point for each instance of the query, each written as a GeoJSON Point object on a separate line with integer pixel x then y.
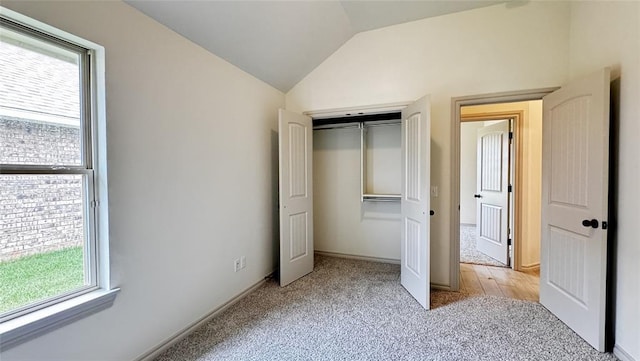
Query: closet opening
{"type": "Point", "coordinates": [357, 184]}
{"type": "Point", "coordinates": [380, 152]}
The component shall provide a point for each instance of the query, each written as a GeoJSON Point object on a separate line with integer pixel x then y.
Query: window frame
{"type": "Point", "coordinates": [27, 322]}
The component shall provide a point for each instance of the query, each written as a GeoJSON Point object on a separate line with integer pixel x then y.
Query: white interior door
{"type": "Point", "coordinates": [492, 196]}
{"type": "Point", "coordinates": [414, 256]}
{"type": "Point", "coordinates": [295, 195]}
{"type": "Point", "coordinates": [574, 205]}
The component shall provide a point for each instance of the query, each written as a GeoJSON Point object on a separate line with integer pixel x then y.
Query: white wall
{"type": "Point", "coordinates": [487, 50]}
{"type": "Point", "coordinates": [468, 170]}
{"type": "Point", "coordinates": [190, 152]}
{"type": "Point", "coordinates": [383, 159]}
{"type": "Point", "coordinates": [608, 34]}
{"type": "Point", "coordinates": [344, 224]}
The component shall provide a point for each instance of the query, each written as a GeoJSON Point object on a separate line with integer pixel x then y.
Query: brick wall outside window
{"type": "Point", "coordinates": [39, 213]}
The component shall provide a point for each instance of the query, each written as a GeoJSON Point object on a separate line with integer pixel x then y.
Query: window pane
{"type": "Point", "coordinates": [39, 102]}
{"type": "Point", "coordinates": [42, 237]}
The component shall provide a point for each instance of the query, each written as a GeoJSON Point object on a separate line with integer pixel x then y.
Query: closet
{"type": "Point", "coordinates": [379, 146]}
{"type": "Point", "coordinates": [363, 178]}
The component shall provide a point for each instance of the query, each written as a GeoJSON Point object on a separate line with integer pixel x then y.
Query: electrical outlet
{"type": "Point", "coordinates": [236, 265]}
{"type": "Point", "coordinates": [243, 262]}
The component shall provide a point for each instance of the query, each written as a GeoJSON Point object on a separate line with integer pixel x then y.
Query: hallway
{"type": "Point", "coordinates": [499, 281]}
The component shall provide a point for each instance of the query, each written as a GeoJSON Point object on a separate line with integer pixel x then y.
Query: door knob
{"type": "Point", "coordinates": [477, 196]}
{"type": "Point", "coordinates": [590, 223]}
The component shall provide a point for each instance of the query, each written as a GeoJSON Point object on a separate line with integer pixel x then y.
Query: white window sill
{"type": "Point", "coordinates": [34, 324]}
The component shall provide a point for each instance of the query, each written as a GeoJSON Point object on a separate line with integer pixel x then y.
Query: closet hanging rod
{"type": "Point", "coordinates": [380, 199]}
{"type": "Point", "coordinates": [336, 126]}
{"type": "Point", "coordinates": [382, 124]}
{"type": "Point", "coordinates": [356, 125]}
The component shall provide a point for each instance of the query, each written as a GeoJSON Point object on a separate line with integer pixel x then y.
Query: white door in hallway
{"type": "Point", "coordinates": [575, 170]}
{"type": "Point", "coordinates": [414, 204]}
{"type": "Point", "coordinates": [295, 152]}
{"type": "Point", "coordinates": [492, 196]}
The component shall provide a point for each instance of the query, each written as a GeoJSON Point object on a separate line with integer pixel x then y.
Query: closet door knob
{"type": "Point", "coordinates": [477, 196]}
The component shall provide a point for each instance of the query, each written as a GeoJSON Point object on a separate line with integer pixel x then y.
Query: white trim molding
{"type": "Point", "coordinates": [34, 324]}
{"type": "Point", "coordinates": [358, 110]}
{"type": "Point", "coordinates": [456, 104]}
{"type": "Point", "coordinates": [357, 257]}
{"type": "Point", "coordinates": [623, 355]}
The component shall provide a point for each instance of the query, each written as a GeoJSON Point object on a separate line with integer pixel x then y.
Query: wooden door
{"type": "Point", "coordinates": [295, 196]}
{"type": "Point", "coordinates": [575, 173]}
{"type": "Point", "coordinates": [414, 256]}
{"type": "Point", "coordinates": [492, 195]}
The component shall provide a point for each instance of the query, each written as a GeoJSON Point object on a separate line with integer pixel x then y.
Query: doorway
{"type": "Point", "coordinates": [524, 182]}
{"type": "Point", "coordinates": [511, 135]}
{"type": "Point", "coordinates": [575, 176]}
{"type": "Point", "coordinates": [525, 257]}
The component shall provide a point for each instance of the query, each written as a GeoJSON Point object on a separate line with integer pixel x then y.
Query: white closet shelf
{"type": "Point", "coordinates": [381, 197]}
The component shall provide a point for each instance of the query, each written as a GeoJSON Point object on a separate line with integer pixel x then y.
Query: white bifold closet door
{"type": "Point", "coordinates": [414, 204]}
{"type": "Point", "coordinates": [295, 150]}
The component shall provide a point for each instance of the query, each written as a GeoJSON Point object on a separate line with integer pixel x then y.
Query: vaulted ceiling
{"type": "Point", "coordinates": [280, 42]}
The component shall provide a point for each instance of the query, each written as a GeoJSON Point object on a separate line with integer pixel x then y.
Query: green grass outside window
{"type": "Point", "coordinates": [34, 278]}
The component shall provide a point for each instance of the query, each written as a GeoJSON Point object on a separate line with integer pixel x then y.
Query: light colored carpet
{"type": "Point", "coordinates": [468, 251]}
{"type": "Point", "coordinates": [357, 310]}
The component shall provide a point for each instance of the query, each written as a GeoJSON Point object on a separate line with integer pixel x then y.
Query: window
{"type": "Point", "coordinates": [53, 219]}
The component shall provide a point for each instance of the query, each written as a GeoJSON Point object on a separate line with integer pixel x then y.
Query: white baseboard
{"type": "Point", "coordinates": [621, 354]}
{"type": "Point", "coordinates": [361, 258]}
{"type": "Point", "coordinates": [158, 349]}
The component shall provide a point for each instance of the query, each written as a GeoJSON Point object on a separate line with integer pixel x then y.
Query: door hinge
{"type": "Point", "coordinates": [510, 188]}
{"type": "Point", "coordinates": [94, 204]}
{"type": "Point", "coordinates": [605, 225]}
{"type": "Point", "coordinates": [510, 135]}
{"type": "Point", "coordinates": [508, 241]}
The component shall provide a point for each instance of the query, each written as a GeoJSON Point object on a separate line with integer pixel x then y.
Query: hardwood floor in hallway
{"type": "Point", "coordinates": [499, 281]}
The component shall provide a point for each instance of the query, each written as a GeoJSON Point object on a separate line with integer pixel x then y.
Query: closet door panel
{"type": "Point", "coordinates": [414, 253]}
{"type": "Point", "coordinates": [295, 195]}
